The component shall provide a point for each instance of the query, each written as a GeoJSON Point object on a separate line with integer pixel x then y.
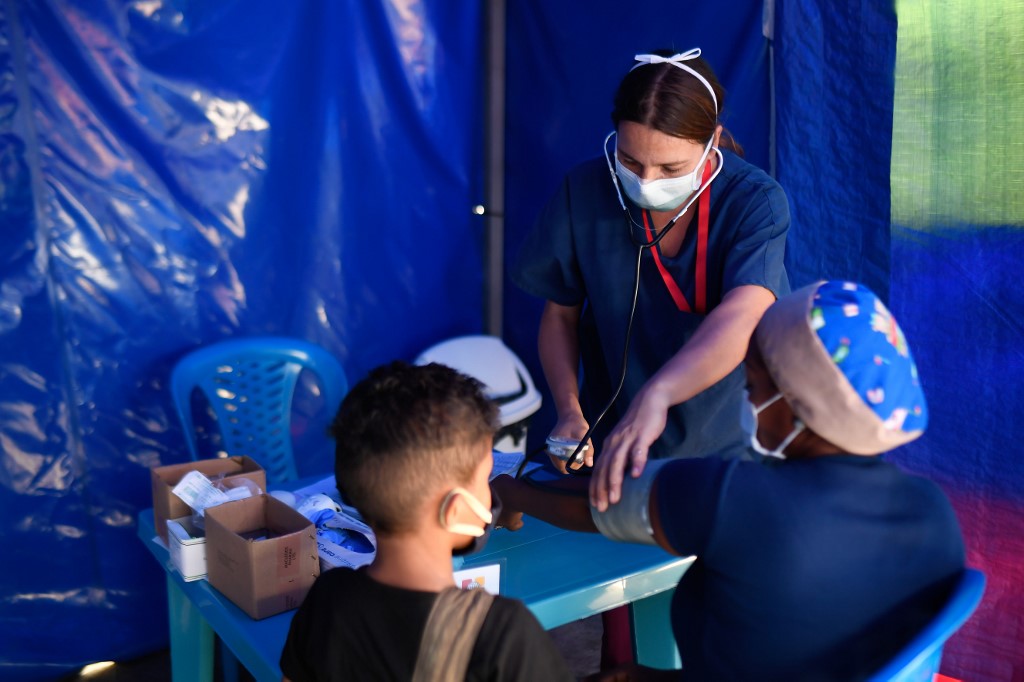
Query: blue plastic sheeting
{"type": "Point", "coordinates": [175, 173]}
{"type": "Point", "coordinates": [956, 294]}
{"type": "Point", "coordinates": [834, 66]}
{"type": "Point", "coordinates": [564, 63]}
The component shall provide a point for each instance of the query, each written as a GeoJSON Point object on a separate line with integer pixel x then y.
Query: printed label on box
{"type": "Point", "coordinates": [287, 561]}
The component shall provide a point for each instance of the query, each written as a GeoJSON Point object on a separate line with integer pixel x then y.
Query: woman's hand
{"type": "Point", "coordinates": [573, 427]}
{"type": "Point", "coordinates": [627, 445]}
{"type": "Point", "coordinates": [559, 347]}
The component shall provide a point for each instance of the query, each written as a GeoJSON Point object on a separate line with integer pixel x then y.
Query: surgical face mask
{"type": "Point", "coordinates": [664, 194]}
{"type": "Point", "coordinates": [478, 533]}
{"type": "Point", "coordinates": [748, 422]}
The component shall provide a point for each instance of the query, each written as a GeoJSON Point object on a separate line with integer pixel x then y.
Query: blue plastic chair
{"type": "Point", "coordinates": [919, 660]}
{"type": "Point", "coordinates": [249, 384]}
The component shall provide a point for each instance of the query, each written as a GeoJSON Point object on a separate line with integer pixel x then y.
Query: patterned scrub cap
{"type": "Point", "coordinates": [843, 364]}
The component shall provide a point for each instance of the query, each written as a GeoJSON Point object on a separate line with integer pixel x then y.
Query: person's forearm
{"type": "Point", "coordinates": [558, 348]}
{"type": "Point", "coordinates": [568, 508]}
{"type": "Point", "coordinates": [716, 348]}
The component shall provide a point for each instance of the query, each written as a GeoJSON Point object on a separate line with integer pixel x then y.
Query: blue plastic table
{"type": "Point", "coordinates": [560, 575]}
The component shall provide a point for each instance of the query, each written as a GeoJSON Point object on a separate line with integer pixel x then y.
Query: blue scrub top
{"type": "Point", "coordinates": [580, 252]}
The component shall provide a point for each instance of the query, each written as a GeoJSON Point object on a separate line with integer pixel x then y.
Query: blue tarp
{"type": "Point", "coordinates": [835, 100]}
{"type": "Point", "coordinates": [175, 173]}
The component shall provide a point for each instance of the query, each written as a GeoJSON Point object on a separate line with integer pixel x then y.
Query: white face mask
{"type": "Point", "coordinates": [748, 422]}
{"type": "Point", "coordinates": [664, 194]}
{"type": "Point", "coordinates": [475, 505]}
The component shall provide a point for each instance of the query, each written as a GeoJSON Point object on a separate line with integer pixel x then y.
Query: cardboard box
{"type": "Point", "coordinates": [261, 576]}
{"type": "Point", "coordinates": [167, 505]}
{"type": "Point", "coordinates": [187, 545]}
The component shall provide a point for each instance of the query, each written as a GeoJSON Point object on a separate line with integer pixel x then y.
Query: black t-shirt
{"type": "Point", "coordinates": [350, 627]}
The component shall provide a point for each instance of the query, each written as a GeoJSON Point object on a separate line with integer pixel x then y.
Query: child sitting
{"type": "Point", "coordinates": [413, 455]}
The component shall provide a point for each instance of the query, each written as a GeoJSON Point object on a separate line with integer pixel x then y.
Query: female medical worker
{"type": "Point", "coordinates": [820, 560]}
{"type": "Point", "coordinates": [671, 222]}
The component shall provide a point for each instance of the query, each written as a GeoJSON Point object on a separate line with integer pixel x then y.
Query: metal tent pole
{"type": "Point", "coordinates": [493, 209]}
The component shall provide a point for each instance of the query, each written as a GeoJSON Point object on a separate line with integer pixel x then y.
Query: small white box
{"type": "Point", "coordinates": [187, 545]}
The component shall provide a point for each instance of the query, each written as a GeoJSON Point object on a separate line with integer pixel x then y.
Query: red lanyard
{"type": "Point", "coordinates": [704, 208]}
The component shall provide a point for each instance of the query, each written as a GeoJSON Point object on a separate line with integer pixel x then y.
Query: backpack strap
{"type": "Point", "coordinates": [452, 628]}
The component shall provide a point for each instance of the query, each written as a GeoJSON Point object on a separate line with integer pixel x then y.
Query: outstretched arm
{"type": "Point", "coordinates": [564, 504]}
{"type": "Point", "coordinates": [717, 348]}
{"type": "Point", "coordinates": [561, 503]}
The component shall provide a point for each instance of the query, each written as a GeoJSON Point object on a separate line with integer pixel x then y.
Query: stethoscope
{"type": "Point", "coordinates": [577, 455]}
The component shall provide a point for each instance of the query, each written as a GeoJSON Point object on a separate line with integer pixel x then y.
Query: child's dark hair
{"type": "Point", "coordinates": [404, 431]}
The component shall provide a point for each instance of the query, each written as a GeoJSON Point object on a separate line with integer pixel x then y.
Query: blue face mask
{"type": "Point", "coordinates": [748, 422]}
{"type": "Point", "coordinates": [479, 535]}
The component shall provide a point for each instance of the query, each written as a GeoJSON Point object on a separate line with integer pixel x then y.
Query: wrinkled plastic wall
{"type": "Point", "coordinates": [174, 173]}
{"type": "Point", "coordinates": [834, 93]}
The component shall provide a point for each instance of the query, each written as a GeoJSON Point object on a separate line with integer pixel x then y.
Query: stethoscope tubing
{"type": "Point", "coordinates": [577, 455]}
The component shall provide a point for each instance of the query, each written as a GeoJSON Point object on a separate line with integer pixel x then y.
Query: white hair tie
{"type": "Point", "coordinates": [677, 60]}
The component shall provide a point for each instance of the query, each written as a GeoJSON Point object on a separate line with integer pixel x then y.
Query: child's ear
{"type": "Point", "coordinates": [450, 511]}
